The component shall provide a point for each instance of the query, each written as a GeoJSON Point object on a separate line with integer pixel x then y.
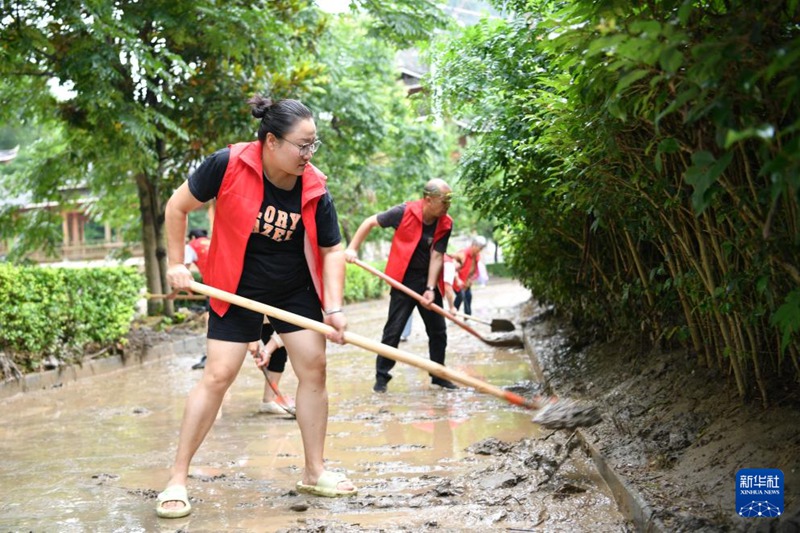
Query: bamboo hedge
{"type": "Point", "coordinates": [645, 163]}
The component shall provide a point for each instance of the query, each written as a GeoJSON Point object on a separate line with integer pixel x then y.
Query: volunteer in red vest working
{"type": "Point", "coordinates": [422, 230]}
{"type": "Point", "coordinates": [452, 283]}
{"type": "Point", "coordinates": [277, 241]}
{"type": "Point", "coordinates": [196, 252]}
{"type": "Point", "coordinates": [469, 258]}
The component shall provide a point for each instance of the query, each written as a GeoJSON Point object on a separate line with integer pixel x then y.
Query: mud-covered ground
{"type": "Point", "coordinates": [675, 432]}
{"type": "Point", "coordinates": [542, 482]}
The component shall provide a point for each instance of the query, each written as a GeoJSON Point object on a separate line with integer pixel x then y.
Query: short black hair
{"type": "Point", "coordinates": [196, 233]}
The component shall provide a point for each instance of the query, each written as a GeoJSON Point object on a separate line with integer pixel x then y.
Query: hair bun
{"type": "Point", "coordinates": [260, 105]}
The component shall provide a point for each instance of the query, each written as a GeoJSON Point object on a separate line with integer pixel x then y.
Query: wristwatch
{"type": "Point", "coordinates": [429, 288]}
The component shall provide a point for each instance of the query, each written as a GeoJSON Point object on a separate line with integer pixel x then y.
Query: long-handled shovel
{"type": "Point", "coordinates": [175, 296]}
{"type": "Point", "coordinates": [280, 399]}
{"type": "Point", "coordinates": [500, 340]}
{"type": "Point", "coordinates": [498, 324]}
{"type": "Point", "coordinates": [553, 413]}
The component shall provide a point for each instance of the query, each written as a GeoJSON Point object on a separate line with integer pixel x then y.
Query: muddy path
{"type": "Point", "coordinates": [91, 455]}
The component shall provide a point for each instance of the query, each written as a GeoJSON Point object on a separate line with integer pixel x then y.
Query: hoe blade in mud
{"type": "Point", "coordinates": [567, 414]}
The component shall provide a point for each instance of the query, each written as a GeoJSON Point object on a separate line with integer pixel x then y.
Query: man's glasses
{"type": "Point", "coordinates": [445, 199]}
{"type": "Point", "coordinates": [305, 149]}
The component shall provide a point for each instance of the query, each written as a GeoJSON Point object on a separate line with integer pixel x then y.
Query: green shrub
{"type": "Point", "coordinates": [57, 311]}
{"type": "Point", "coordinates": [361, 285]}
{"type": "Point", "coordinates": [498, 270]}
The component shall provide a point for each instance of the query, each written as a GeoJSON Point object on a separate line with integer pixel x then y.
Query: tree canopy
{"type": "Point", "coordinates": [147, 89]}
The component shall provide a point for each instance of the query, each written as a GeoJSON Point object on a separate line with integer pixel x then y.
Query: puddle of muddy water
{"type": "Point", "coordinates": [93, 454]}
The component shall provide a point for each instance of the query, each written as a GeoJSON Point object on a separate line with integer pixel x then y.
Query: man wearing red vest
{"type": "Point", "coordinates": [422, 230]}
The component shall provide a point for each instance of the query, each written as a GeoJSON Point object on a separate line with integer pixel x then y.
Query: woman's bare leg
{"type": "Point", "coordinates": [306, 350]}
{"type": "Point", "coordinates": [223, 364]}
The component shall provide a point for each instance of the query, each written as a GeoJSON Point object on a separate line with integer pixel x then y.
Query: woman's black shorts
{"type": "Point", "coordinates": [242, 325]}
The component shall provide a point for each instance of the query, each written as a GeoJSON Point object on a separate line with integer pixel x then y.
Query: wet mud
{"type": "Point", "coordinates": [673, 432]}
{"type": "Point", "coordinates": [92, 455]}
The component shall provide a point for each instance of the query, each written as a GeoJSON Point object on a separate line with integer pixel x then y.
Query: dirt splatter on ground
{"type": "Point", "coordinates": [675, 432]}
{"type": "Point", "coordinates": [672, 431]}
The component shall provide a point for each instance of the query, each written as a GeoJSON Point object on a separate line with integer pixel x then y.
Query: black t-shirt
{"type": "Point", "coordinates": [274, 256]}
{"type": "Point", "coordinates": [420, 259]}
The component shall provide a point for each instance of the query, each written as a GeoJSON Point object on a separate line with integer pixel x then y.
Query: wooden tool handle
{"type": "Point", "coordinates": [368, 344]}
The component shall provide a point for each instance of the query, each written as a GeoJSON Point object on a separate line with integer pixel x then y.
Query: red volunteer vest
{"type": "Point", "coordinates": [469, 259]}
{"type": "Point", "coordinates": [407, 236]}
{"type": "Point", "coordinates": [456, 280]}
{"type": "Point", "coordinates": [200, 246]}
{"type": "Point", "coordinates": [238, 202]}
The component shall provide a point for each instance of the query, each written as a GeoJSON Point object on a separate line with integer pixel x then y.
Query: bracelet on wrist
{"type": "Point", "coordinates": [333, 311]}
{"type": "Point", "coordinates": [429, 288]}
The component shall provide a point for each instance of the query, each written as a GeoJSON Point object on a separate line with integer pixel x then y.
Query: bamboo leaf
{"type": "Point", "coordinates": [703, 173]}
{"type": "Point", "coordinates": [787, 318]}
{"type": "Point", "coordinates": [628, 79]}
{"type": "Point", "coordinates": [765, 132]}
{"type": "Point", "coordinates": [671, 59]}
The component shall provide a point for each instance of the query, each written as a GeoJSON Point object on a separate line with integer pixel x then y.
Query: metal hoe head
{"type": "Point", "coordinates": [501, 324]}
{"type": "Point", "coordinates": [567, 414]}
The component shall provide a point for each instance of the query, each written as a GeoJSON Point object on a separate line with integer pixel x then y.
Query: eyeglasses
{"type": "Point", "coordinates": [445, 199]}
{"type": "Point", "coordinates": [305, 149]}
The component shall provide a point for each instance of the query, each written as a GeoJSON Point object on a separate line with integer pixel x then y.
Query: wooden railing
{"type": "Point", "coordinates": [90, 251]}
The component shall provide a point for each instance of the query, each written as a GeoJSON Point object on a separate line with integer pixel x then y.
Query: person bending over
{"type": "Point", "coordinates": [276, 241]}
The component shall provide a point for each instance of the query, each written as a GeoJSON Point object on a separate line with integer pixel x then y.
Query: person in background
{"type": "Point", "coordinates": [422, 230]}
{"type": "Point", "coordinates": [407, 329]}
{"type": "Point", "coordinates": [276, 241]}
{"type": "Point", "coordinates": [468, 273]}
{"type": "Point", "coordinates": [452, 283]}
{"type": "Point", "coordinates": [196, 253]}
{"type": "Point", "coordinates": [272, 355]}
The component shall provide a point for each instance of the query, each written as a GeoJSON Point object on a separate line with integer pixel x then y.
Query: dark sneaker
{"type": "Point", "coordinates": [443, 383]}
{"type": "Point", "coordinates": [380, 386]}
{"type": "Point", "coordinates": [200, 364]}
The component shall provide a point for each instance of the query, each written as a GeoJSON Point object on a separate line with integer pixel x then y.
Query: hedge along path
{"type": "Point", "coordinates": [553, 413]}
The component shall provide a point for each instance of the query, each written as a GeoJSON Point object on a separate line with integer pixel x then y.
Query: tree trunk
{"type": "Point", "coordinates": [152, 244]}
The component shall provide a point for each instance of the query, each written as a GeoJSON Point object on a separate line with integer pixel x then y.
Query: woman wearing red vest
{"type": "Point", "coordinates": [275, 240]}
{"type": "Point", "coordinates": [422, 230]}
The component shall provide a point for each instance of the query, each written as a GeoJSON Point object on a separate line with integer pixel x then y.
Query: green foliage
{"type": "Point", "coordinates": [148, 89]}
{"type": "Point", "coordinates": [59, 312]}
{"type": "Point", "coordinates": [360, 285]}
{"type": "Point", "coordinates": [644, 162]}
{"type": "Point", "coordinates": [787, 318]}
{"type": "Point", "coordinates": [498, 270]}
{"type": "Point", "coordinates": [376, 151]}
{"type": "Point", "coordinates": [153, 88]}
{"type": "Point", "coordinates": [403, 23]}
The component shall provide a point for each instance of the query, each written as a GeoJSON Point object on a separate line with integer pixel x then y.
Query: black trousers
{"type": "Point", "coordinates": [400, 308]}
